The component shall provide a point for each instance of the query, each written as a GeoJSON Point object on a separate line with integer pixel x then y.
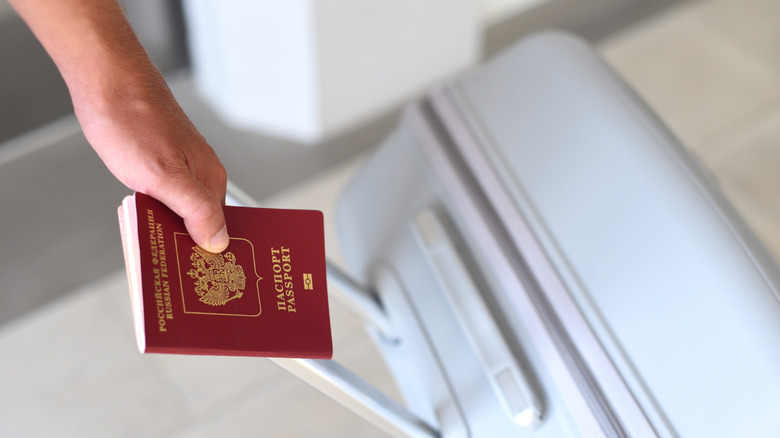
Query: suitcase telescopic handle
{"type": "Point", "coordinates": [336, 381]}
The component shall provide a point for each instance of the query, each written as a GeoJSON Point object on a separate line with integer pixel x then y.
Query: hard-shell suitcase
{"type": "Point", "coordinates": [542, 258]}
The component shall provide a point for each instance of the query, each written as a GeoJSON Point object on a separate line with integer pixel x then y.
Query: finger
{"type": "Point", "coordinates": [200, 209]}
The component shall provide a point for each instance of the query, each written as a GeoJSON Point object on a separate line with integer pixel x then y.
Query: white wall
{"type": "Point", "coordinates": [306, 69]}
{"type": "Point", "coordinates": [376, 54]}
{"type": "Point", "coordinates": [494, 11]}
{"type": "Point", "coordinates": [255, 61]}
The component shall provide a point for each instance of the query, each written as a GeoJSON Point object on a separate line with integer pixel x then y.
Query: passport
{"type": "Point", "coordinates": [265, 295]}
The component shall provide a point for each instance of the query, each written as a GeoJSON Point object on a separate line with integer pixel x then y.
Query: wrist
{"type": "Point", "coordinates": [119, 87]}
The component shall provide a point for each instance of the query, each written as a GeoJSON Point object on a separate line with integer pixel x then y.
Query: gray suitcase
{"type": "Point", "coordinates": [542, 258]}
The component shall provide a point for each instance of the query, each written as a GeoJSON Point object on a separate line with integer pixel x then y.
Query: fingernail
{"type": "Point", "coordinates": [220, 241]}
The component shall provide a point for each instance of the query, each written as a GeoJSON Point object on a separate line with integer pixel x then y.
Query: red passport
{"type": "Point", "coordinates": [265, 295]}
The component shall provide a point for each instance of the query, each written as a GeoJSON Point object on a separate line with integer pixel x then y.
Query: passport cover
{"type": "Point", "coordinates": [265, 295]}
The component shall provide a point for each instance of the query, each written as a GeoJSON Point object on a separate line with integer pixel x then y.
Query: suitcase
{"type": "Point", "coordinates": [540, 257]}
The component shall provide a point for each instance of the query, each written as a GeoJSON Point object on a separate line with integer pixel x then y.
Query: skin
{"type": "Point", "coordinates": [128, 113]}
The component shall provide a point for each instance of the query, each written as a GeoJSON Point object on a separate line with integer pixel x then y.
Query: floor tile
{"type": "Point", "coordinates": [696, 80]}
{"type": "Point", "coordinates": [117, 287]}
{"type": "Point", "coordinates": [210, 381]}
{"type": "Point", "coordinates": [746, 165]}
{"type": "Point", "coordinates": [70, 374]}
{"type": "Point", "coordinates": [288, 409]}
{"type": "Point", "coordinates": [753, 25]}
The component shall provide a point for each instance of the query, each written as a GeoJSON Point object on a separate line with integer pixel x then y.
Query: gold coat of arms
{"type": "Point", "coordinates": [218, 279]}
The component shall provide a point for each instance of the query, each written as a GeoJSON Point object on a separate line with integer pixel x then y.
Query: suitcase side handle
{"type": "Point", "coordinates": [506, 377]}
{"type": "Point", "coordinates": [336, 381]}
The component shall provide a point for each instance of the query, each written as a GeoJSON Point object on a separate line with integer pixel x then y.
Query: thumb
{"type": "Point", "coordinates": [200, 209]}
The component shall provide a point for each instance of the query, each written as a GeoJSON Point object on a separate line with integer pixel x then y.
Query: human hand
{"type": "Point", "coordinates": [128, 114]}
{"type": "Point", "coordinates": [149, 144]}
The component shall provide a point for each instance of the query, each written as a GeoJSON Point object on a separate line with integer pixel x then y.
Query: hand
{"type": "Point", "coordinates": [128, 114]}
{"type": "Point", "coordinates": [149, 144]}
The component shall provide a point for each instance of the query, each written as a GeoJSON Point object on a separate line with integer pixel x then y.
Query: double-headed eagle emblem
{"type": "Point", "coordinates": [218, 279]}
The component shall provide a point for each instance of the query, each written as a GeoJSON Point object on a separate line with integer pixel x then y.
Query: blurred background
{"type": "Point", "coordinates": [293, 98]}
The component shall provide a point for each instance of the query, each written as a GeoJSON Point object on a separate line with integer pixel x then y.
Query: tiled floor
{"type": "Point", "coordinates": [710, 68]}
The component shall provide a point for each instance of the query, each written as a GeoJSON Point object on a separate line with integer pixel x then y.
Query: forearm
{"type": "Point", "coordinates": [95, 50]}
{"type": "Point", "coordinates": [90, 41]}
{"type": "Point", "coordinates": [127, 112]}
